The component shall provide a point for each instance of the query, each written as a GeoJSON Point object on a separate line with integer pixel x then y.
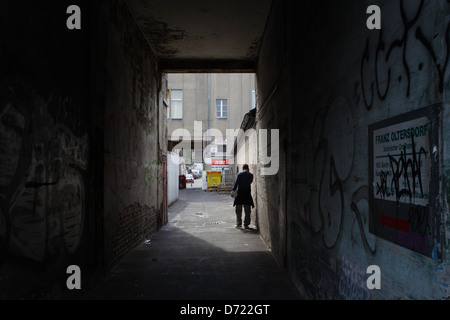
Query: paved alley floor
{"type": "Point", "coordinates": [198, 255]}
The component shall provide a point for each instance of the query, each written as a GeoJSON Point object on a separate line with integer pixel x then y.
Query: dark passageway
{"type": "Point", "coordinates": [198, 255]}
{"type": "Point", "coordinates": [350, 131]}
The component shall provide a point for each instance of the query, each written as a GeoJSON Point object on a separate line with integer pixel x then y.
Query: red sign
{"type": "Point", "coordinates": [220, 162]}
{"type": "Point", "coordinates": [394, 223]}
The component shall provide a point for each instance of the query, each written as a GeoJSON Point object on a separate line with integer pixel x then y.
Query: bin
{"type": "Point", "coordinates": [213, 178]}
{"type": "Point", "coordinates": [182, 179]}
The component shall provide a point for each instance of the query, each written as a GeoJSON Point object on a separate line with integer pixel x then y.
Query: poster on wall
{"type": "Point", "coordinates": [404, 170]}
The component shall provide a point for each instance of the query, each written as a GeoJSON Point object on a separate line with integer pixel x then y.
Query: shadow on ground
{"type": "Point", "coordinates": [198, 255]}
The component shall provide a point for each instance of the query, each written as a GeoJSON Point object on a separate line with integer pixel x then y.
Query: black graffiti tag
{"type": "Point", "coordinates": [371, 68]}
{"type": "Point", "coordinates": [409, 169]}
{"type": "Point", "coordinates": [382, 187]}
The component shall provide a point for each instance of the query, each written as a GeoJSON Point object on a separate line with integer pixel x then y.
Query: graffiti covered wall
{"type": "Point", "coordinates": [342, 89]}
{"type": "Point", "coordinates": [47, 162]}
{"type": "Point", "coordinates": [80, 162]}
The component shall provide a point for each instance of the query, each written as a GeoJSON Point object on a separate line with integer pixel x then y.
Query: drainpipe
{"type": "Point", "coordinates": [209, 116]}
{"type": "Point", "coordinates": [209, 100]}
{"type": "Point", "coordinates": [209, 107]}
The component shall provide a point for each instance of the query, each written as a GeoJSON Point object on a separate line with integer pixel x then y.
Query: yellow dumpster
{"type": "Point", "coordinates": [213, 179]}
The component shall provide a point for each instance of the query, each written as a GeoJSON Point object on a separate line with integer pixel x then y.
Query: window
{"type": "Point", "coordinates": [176, 104]}
{"type": "Point", "coordinates": [221, 108]}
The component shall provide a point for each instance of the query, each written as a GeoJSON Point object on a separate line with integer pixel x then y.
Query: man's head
{"type": "Point", "coordinates": [245, 167]}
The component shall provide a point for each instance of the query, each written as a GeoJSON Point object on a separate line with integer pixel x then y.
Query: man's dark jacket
{"type": "Point", "coordinates": [243, 184]}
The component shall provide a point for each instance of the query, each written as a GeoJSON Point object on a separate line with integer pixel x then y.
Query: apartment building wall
{"type": "Point", "coordinates": [200, 95]}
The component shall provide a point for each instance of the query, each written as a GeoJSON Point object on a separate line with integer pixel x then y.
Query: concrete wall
{"type": "Point", "coordinates": [162, 187]}
{"type": "Point", "coordinates": [173, 180]}
{"type": "Point", "coordinates": [246, 152]}
{"type": "Point", "coordinates": [81, 123]}
{"type": "Point", "coordinates": [132, 155]}
{"type": "Point", "coordinates": [323, 79]}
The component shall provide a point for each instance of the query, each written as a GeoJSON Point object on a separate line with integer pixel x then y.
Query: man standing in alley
{"type": "Point", "coordinates": [242, 194]}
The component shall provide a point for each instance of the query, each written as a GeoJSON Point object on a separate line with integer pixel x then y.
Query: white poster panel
{"type": "Point", "coordinates": [402, 162]}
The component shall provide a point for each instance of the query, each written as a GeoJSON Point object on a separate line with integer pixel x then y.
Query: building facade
{"type": "Point", "coordinates": [203, 109]}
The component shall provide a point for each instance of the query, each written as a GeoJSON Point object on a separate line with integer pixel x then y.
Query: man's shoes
{"type": "Point", "coordinates": [247, 227]}
{"type": "Point", "coordinates": [239, 226]}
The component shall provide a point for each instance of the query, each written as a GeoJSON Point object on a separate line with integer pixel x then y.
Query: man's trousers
{"type": "Point", "coordinates": [247, 210]}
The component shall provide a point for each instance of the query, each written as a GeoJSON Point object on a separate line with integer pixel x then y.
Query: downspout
{"type": "Point", "coordinates": [209, 101]}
